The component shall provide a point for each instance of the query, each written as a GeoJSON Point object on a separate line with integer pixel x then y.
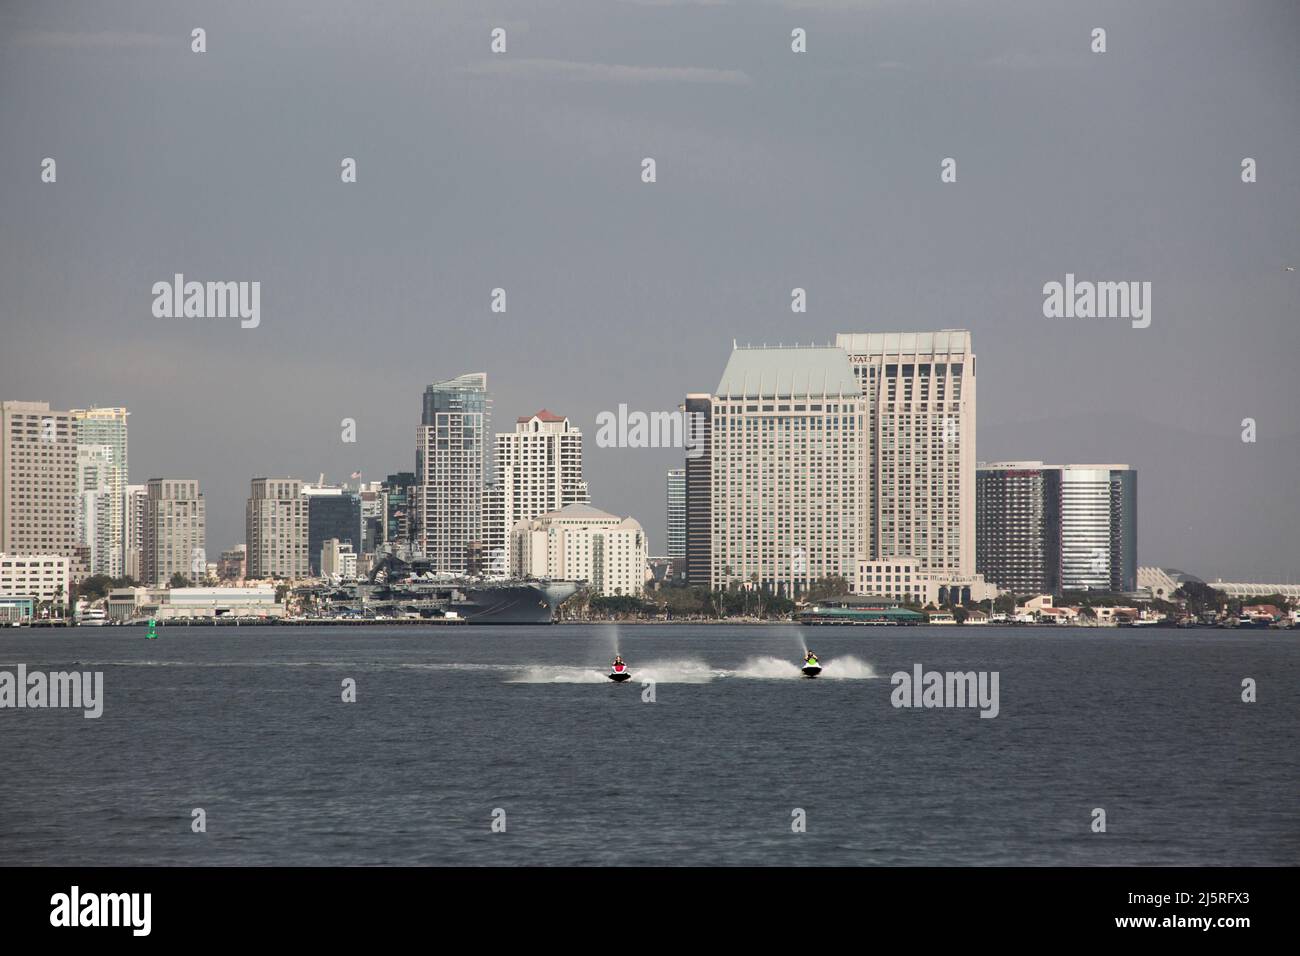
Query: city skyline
{"type": "Point", "coordinates": [651, 517]}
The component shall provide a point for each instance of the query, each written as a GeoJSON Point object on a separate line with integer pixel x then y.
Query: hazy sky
{"type": "Point", "coordinates": [775, 170]}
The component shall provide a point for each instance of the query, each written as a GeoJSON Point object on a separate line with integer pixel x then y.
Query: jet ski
{"type": "Point", "coordinates": [619, 673]}
{"type": "Point", "coordinates": [811, 668]}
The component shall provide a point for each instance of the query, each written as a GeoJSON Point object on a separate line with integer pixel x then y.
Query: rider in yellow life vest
{"type": "Point", "coordinates": [811, 659]}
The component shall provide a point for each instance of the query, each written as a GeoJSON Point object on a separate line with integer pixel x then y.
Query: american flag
{"type": "Point", "coordinates": [356, 474]}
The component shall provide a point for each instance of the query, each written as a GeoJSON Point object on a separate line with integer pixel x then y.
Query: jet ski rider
{"type": "Point", "coordinates": [811, 659]}
{"type": "Point", "coordinates": [618, 661]}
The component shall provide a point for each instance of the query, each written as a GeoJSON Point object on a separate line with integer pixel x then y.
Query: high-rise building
{"type": "Point", "coordinates": [1018, 526]}
{"type": "Point", "coordinates": [920, 445]}
{"type": "Point", "coordinates": [787, 469]}
{"type": "Point", "coordinates": [106, 428]}
{"type": "Point", "coordinates": [582, 543]}
{"type": "Point", "coordinates": [1085, 528]}
{"type": "Point", "coordinates": [1052, 528]}
{"type": "Point", "coordinates": [452, 472]}
{"type": "Point", "coordinates": [1098, 528]}
{"type": "Point", "coordinates": [38, 481]}
{"type": "Point", "coordinates": [698, 409]}
{"type": "Point", "coordinates": [174, 533]}
{"type": "Point", "coordinates": [95, 509]}
{"type": "Point", "coordinates": [537, 468]}
{"type": "Point", "coordinates": [677, 519]}
{"type": "Point", "coordinates": [276, 526]}
{"type": "Point", "coordinates": [331, 513]}
{"type": "Point", "coordinates": [133, 507]}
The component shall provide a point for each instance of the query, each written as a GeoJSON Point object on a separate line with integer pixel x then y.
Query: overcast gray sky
{"type": "Point", "coordinates": [775, 170]}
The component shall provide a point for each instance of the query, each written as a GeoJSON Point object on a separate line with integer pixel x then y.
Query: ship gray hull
{"type": "Point", "coordinates": [513, 603]}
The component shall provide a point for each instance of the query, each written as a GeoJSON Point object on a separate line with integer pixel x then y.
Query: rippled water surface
{"type": "Point", "coordinates": [451, 723]}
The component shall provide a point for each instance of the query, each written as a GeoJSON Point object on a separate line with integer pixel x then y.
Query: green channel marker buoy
{"type": "Point", "coordinates": [153, 634]}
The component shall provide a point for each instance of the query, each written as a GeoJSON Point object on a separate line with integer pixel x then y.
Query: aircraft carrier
{"type": "Point", "coordinates": [513, 602]}
{"type": "Point", "coordinates": [405, 586]}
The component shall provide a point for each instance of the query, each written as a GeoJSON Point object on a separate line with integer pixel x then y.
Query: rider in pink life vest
{"type": "Point", "coordinates": [618, 663]}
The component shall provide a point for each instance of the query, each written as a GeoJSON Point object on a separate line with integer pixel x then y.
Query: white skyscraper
{"type": "Point", "coordinates": [106, 428]}
{"type": "Point", "coordinates": [1098, 527]}
{"type": "Point", "coordinates": [95, 509]}
{"type": "Point", "coordinates": [920, 445]}
{"type": "Point", "coordinates": [537, 469]}
{"type": "Point", "coordinates": [788, 476]}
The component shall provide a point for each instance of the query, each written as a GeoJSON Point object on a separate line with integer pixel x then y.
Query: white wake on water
{"type": "Point", "coordinates": [776, 668]}
{"type": "Point", "coordinates": [544, 674]}
{"type": "Point", "coordinates": [848, 668]}
{"type": "Point", "coordinates": [685, 671]}
{"type": "Point", "coordinates": [677, 671]}
{"type": "Point", "coordinates": [661, 672]}
{"type": "Point", "coordinates": [767, 668]}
